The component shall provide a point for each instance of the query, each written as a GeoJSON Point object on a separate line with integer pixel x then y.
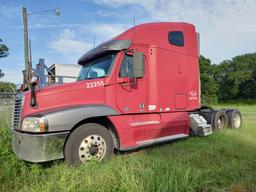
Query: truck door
{"type": "Point", "coordinates": [131, 94]}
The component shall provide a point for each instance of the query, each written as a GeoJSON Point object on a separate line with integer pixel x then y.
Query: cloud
{"type": "Point", "coordinates": [69, 46]}
{"type": "Point", "coordinates": [174, 10]}
{"type": "Point", "coordinates": [67, 43]}
{"type": "Point", "coordinates": [12, 75]}
{"type": "Point", "coordinates": [9, 12]}
{"type": "Point", "coordinates": [107, 13]}
{"type": "Point", "coordinates": [106, 31]}
{"type": "Point", "coordinates": [226, 26]}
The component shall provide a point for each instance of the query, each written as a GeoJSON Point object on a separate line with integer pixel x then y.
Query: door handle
{"type": "Point", "coordinates": [180, 68]}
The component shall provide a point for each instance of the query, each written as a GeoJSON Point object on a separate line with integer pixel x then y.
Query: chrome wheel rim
{"type": "Point", "coordinates": [93, 147]}
{"type": "Point", "coordinates": [237, 120]}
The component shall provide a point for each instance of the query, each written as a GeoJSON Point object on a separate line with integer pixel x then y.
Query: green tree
{"type": "Point", "coordinates": [1, 73]}
{"type": "Point", "coordinates": [237, 78]}
{"type": "Point", "coordinates": [4, 50]}
{"type": "Point", "coordinates": [3, 53]}
{"type": "Point", "coordinates": [6, 87]}
{"type": "Point", "coordinates": [247, 88]}
{"type": "Point", "coordinates": [209, 87]}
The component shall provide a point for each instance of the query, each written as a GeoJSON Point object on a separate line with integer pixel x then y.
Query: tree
{"type": "Point", "coordinates": [3, 50]}
{"type": "Point", "coordinates": [209, 87]}
{"type": "Point", "coordinates": [6, 87]}
{"type": "Point", "coordinates": [1, 73]}
{"type": "Point", "coordinates": [3, 53]}
{"type": "Point", "coordinates": [237, 78]}
{"type": "Point", "coordinates": [247, 86]}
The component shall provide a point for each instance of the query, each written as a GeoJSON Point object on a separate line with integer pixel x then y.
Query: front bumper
{"type": "Point", "coordinates": [38, 147]}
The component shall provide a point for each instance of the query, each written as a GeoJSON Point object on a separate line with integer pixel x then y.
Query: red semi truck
{"type": "Point", "coordinates": [140, 88]}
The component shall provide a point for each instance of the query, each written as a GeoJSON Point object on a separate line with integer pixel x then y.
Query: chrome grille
{"type": "Point", "coordinates": [17, 112]}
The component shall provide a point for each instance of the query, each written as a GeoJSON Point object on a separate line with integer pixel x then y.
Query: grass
{"type": "Point", "coordinates": [225, 161]}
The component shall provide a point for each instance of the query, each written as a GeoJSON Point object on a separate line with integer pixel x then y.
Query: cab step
{"type": "Point", "coordinates": [199, 125]}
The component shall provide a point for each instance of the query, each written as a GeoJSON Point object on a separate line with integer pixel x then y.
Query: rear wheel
{"type": "Point", "coordinates": [88, 142]}
{"type": "Point", "coordinates": [219, 120]}
{"type": "Point", "coordinates": [234, 118]}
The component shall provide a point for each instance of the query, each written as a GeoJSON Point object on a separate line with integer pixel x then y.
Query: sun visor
{"type": "Point", "coordinates": [112, 45]}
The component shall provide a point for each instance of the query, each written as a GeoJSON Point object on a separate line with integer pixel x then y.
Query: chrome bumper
{"type": "Point", "coordinates": [38, 147]}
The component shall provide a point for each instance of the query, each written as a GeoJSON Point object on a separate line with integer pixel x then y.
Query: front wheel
{"type": "Point", "coordinates": [88, 142]}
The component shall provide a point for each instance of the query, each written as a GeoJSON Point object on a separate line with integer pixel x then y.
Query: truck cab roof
{"type": "Point", "coordinates": [151, 35]}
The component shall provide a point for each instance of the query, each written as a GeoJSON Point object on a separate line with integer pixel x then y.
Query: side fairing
{"type": "Point", "coordinates": [66, 119]}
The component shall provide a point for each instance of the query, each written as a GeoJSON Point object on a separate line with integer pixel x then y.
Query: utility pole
{"type": "Point", "coordinates": [26, 80]}
{"type": "Point", "coordinates": [27, 73]}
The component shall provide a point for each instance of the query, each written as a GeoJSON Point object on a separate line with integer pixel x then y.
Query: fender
{"type": "Point", "coordinates": [65, 119]}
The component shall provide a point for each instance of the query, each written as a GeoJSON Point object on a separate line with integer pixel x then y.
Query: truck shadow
{"type": "Point", "coordinates": [148, 148]}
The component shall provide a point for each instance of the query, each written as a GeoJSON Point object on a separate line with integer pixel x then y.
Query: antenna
{"type": "Point", "coordinates": [133, 30]}
{"type": "Point", "coordinates": [94, 41]}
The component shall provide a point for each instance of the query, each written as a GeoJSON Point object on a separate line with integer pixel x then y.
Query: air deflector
{"type": "Point", "coordinates": [112, 45]}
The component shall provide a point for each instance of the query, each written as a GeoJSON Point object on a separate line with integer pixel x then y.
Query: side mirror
{"type": "Point", "coordinates": [34, 81]}
{"type": "Point", "coordinates": [18, 87]}
{"type": "Point", "coordinates": [138, 65]}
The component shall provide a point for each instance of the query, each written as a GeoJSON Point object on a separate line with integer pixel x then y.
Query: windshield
{"type": "Point", "coordinates": [98, 67]}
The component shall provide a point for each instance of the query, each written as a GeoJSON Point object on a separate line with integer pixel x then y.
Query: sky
{"type": "Point", "coordinates": [227, 27]}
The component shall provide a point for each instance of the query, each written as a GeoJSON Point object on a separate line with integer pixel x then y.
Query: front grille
{"type": "Point", "coordinates": [17, 112]}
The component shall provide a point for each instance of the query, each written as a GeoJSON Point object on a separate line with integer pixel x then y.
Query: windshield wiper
{"type": "Point", "coordinates": [102, 76]}
{"type": "Point", "coordinates": [91, 78]}
{"type": "Point", "coordinates": [96, 77]}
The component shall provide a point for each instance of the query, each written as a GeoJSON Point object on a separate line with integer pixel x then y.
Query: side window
{"type": "Point", "coordinates": [176, 38]}
{"type": "Point", "coordinates": [126, 68]}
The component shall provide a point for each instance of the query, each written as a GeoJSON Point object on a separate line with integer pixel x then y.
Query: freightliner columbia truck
{"type": "Point", "coordinates": [137, 89]}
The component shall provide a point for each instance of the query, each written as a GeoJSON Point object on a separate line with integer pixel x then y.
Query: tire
{"type": "Point", "coordinates": [234, 119]}
{"type": "Point", "coordinates": [219, 120]}
{"type": "Point", "coordinates": [88, 142]}
{"type": "Point", "coordinates": [207, 114]}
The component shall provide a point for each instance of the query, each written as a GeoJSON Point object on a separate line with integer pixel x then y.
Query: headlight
{"type": "Point", "coordinates": [34, 124]}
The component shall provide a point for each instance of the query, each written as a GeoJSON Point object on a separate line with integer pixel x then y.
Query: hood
{"type": "Point", "coordinates": [66, 96]}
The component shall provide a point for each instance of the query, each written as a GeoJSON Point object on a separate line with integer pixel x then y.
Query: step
{"type": "Point", "coordinates": [201, 128]}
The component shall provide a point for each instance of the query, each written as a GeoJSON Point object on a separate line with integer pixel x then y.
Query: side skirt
{"type": "Point", "coordinates": [154, 141]}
